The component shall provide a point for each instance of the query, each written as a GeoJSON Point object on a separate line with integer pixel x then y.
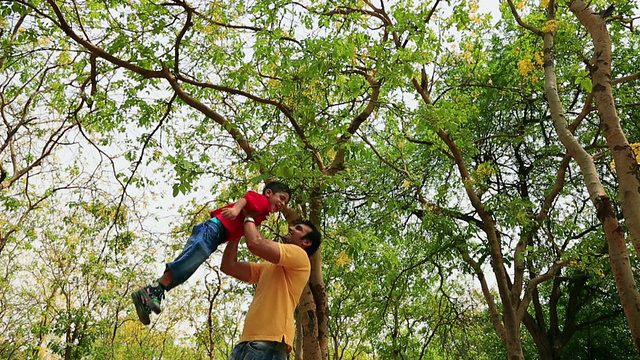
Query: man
{"type": "Point", "coordinates": [268, 328]}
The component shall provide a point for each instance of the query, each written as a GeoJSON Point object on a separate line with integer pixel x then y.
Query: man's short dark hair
{"type": "Point", "coordinates": [276, 187]}
{"type": "Point", "coordinates": [313, 235]}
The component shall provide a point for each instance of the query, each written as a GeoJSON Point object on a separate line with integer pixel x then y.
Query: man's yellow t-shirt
{"type": "Point", "coordinates": [279, 286]}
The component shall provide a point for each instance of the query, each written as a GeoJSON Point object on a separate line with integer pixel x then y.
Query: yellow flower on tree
{"type": "Point", "coordinates": [551, 26]}
{"type": "Point", "coordinates": [343, 259]}
{"type": "Point", "coordinates": [525, 66]}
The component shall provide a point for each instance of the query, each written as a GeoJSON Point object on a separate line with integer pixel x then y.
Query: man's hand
{"type": "Point", "coordinates": [250, 213]}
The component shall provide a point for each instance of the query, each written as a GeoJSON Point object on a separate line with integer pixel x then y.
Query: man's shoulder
{"type": "Point", "coordinates": [293, 255]}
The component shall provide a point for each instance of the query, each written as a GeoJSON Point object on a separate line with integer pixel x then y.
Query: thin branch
{"type": "Point", "coordinates": [181, 35]}
{"type": "Point", "coordinates": [432, 11]}
{"type": "Point", "coordinates": [533, 283]}
{"type": "Point", "coordinates": [338, 161]}
{"type": "Point", "coordinates": [383, 159]}
{"type": "Point", "coordinates": [586, 110]}
{"type": "Point", "coordinates": [64, 26]}
{"type": "Point", "coordinates": [626, 78]}
{"type": "Point", "coordinates": [555, 190]}
{"type": "Point", "coordinates": [342, 10]}
{"type": "Point", "coordinates": [531, 28]}
{"type": "Point", "coordinates": [282, 107]}
{"type": "Point", "coordinates": [139, 161]}
{"type": "Point", "coordinates": [14, 33]}
{"type": "Point", "coordinates": [208, 112]}
{"type": "Point", "coordinates": [246, 27]}
{"type": "Point", "coordinates": [395, 281]}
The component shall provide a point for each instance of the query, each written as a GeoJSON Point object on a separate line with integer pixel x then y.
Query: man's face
{"type": "Point", "coordinates": [296, 232]}
{"type": "Point", "coordinates": [277, 201]}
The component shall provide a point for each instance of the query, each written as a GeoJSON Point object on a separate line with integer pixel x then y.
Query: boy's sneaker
{"type": "Point", "coordinates": [142, 309]}
{"type": "Point", "coordinates": [146, 300]}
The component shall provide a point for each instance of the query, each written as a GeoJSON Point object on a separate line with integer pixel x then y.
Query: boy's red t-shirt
{"type": "Point", "coordinates": [235, 228]}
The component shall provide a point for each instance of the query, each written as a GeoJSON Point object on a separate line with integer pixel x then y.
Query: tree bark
{"type": "Point", "coordinates": [551, 341]}
{"type": "Point", "coordinates": [543, 343]}
{"type": "Point", "coordinates": [626, 165]}
{"type": "Point", "coordinates": [618, 256]}
{"type": "Point", "coordinates": [297, 344]}
{"type": "Point", "coordinates": [509, 327]}
{"type": "Point", "coordinates": [316, 283]}
{"type": "Point", "coordinates": [309, 321]}
{"type": "Point", "coordinates": [313, 309]}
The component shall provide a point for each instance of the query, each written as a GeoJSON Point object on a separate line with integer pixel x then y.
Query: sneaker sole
{"type": "Point", "coordinates": [143, 314]}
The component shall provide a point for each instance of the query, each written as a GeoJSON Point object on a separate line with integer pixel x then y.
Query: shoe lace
{"type": "Point", "coordinates": [156, 294]}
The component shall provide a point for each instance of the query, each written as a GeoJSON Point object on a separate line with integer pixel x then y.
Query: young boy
{"type": "Point", "coordinates": [226, 224]}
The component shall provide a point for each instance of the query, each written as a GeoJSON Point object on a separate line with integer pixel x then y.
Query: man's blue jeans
{"type": "Point", "coordinates": [204, 240]}
{"type": "Point", "coordinates": [259, 350]}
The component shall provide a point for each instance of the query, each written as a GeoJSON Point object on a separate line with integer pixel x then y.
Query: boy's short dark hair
{"type": "Point", "coordinates": [313, 235]}
{"type": "Point", "coordinates": [276, 187]}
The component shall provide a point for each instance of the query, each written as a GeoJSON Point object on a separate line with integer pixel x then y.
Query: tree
{"type": "Point", "coordinates": [382, 117]}
{"type": "Point", "coordinates": [621, 151]}
{"type": "Point", "coordinates": [36, 115]}
{"type": "Point", "coordinates": [449, 122]}
{"type": "Point", "coordinates": [272, 84]}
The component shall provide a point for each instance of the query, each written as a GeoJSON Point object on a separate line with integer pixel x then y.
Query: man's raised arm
{"type": "Point", "coordinates": [230, 264]}
{"type": "Point", "coordinates": [258, 245]}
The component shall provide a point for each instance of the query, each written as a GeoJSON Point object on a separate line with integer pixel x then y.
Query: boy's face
{"type": "Point", "coordinates": [277, 200]}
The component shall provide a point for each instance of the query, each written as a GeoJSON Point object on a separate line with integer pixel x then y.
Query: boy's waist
{"type": "Point", "coordinates": [237, 225]}
{"type": "Point", "coordinates": [223, 229]}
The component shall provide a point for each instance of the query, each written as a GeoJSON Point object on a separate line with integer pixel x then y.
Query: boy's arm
{"type": "Point", "coordinates": [258, 245]}
{"type": "Point", "coordinates": [230, 213]}
{"type": "Point", "coordinates": [230, 264]}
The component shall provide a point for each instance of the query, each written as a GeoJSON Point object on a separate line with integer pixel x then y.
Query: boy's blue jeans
{"type": "Point", "coordinates": [259, 350]}
{"type": "Point", "coordinates": [204, 240]}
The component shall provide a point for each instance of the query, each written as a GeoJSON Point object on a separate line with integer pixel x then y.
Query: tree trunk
{"type": "Point", "coordinates": [621, 266]}
{"type": "Point", "coordinates": [626, 165]}
{"type": "Point", "coordinates": [509, 326]}
{"type": "Point", "coordinates": [307, 318]}
{"type": "Point", "coordinates": [618, 256]}
{"type": "Point", "coordinates": [313, 309]}
{"type": "Point", "coordinates": [297, 344]}
{"type": "Point", "coordinates": [316, 285]}
{"type": "Point", "coordinates": [550, 339]}
{"type": "Point", "coordinates": [543, 344]}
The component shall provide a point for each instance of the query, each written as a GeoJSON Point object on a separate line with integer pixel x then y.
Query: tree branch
{"type": "Point", "coordinates": [531, 28]}
{"type": "Point", "coordinates": [64, 26]}
{"type": "Point", "coordinates": [183, 31]}
{"type": "Point", "coordinates": [627, 78]}
{"type": "Point", "coordinates": [208, 112]}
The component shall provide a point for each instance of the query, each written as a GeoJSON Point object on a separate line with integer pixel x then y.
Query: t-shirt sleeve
{"type": "Point", "coordinates": [257, 202]}
{"type": "Point", "coordinates": [256, 270]}
{"type": "Point", "coordinates": [293, 257]}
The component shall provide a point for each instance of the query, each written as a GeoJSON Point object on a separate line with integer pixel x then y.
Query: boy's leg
{"type": "Point", "coordinates": [203, 241]}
